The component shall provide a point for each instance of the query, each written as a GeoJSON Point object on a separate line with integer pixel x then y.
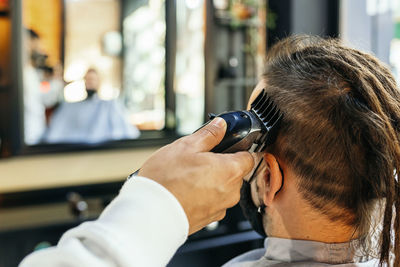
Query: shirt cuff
{"type": "Point", "coordinates": [144, 224]}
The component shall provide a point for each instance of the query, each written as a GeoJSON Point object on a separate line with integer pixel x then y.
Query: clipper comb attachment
{"type": "Point", "coordinates": [269, 115]}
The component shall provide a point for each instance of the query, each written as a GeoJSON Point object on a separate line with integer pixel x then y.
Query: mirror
{"type": "Point", "coordinates": [93, 70]}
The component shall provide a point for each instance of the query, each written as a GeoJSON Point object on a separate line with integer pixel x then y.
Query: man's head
{"type": "Point", "coordinates": [33, 41]}
{"type": "Point", "coordinates": [338, 143]}
{"type": "Point", "coordinates": [92, 81]}
{"type": "Point", "coordinates": [36, 53]}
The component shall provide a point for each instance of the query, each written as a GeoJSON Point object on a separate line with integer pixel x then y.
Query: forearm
{"type": "Point", "coordinates": [143, 226]}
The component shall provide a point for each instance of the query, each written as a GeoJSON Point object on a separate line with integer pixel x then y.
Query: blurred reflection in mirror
{"type": "Point", "coordinates": [144, 31]}
{"type": "Point", "coordinates": [92, 120]}
{"type": "Point", "coordinates": [66, 100]}
{"type": "Point", "coordinates": [34, 114]}
{"type": "Point", "coordinates": [41, 88]}
{"type": "Point", "coordinates": [189, 73]}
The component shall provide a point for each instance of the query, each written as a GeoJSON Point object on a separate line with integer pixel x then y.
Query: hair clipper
{"type": "Point", "coordinates": [250, 130]}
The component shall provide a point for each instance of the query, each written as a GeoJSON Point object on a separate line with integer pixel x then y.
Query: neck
{"type": "Point", "coordinates": [292, 217]}
{"type": "Point", "coordinates": [316, 229]}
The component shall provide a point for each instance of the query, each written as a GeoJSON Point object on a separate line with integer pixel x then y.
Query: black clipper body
{"type": "Point", "coordinates": [251, 130]}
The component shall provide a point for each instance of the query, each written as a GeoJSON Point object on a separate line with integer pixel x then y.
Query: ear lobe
{"type": "Point", "coordinates": [272, 180]}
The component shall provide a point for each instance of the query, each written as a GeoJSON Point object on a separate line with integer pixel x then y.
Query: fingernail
{"type": "Point", "coordinates": [219, 122]}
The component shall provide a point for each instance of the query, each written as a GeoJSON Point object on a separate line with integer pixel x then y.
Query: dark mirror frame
{"type": "Point", "coordinates": [12, 141]}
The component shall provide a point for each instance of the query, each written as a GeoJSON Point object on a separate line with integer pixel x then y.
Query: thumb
{"type": "Point", "coordinates": [207, 137]}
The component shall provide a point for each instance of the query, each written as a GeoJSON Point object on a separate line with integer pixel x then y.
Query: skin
{"type": "Point", "coordinates": [92, 80]}
{"type": "Point", "coordinates": [287, 214]}
{"type": "Point", "coordinates": [204, 183]}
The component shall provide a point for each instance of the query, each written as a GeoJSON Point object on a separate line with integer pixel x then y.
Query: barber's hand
{"type": "Point", "coordinates": [205, 183]}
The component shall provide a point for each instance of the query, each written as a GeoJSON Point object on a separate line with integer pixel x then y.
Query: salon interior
{"type": "Point", "coordinates": [89, 89]}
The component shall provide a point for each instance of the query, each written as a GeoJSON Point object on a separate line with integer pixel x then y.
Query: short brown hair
{"type": "Point", "coordinates": [340, 132]}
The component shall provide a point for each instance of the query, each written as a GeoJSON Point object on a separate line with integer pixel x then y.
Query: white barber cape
{"type": "Point", "coordinates": [134, 230]}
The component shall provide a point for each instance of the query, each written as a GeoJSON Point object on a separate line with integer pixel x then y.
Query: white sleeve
{"type": "Point", "coordinates": [143, 226]}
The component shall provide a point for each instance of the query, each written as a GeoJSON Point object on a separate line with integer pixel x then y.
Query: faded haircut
{"type": "Point", "coordinates": [340, 132]}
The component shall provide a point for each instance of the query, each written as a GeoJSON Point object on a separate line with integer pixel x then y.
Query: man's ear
{"type": "Point", "coordinates": [273, 181]}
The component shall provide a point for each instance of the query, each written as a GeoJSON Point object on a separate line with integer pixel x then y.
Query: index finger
{"type": "Point", "coordinates": [241, 163]}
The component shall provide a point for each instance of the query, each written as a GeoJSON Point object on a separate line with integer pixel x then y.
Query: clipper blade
{"type": "Point", "coordinates": [270, 117]}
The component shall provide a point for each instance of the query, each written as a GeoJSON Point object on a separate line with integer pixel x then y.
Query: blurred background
{"type": "Point", "coordinates": [90, 88]}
